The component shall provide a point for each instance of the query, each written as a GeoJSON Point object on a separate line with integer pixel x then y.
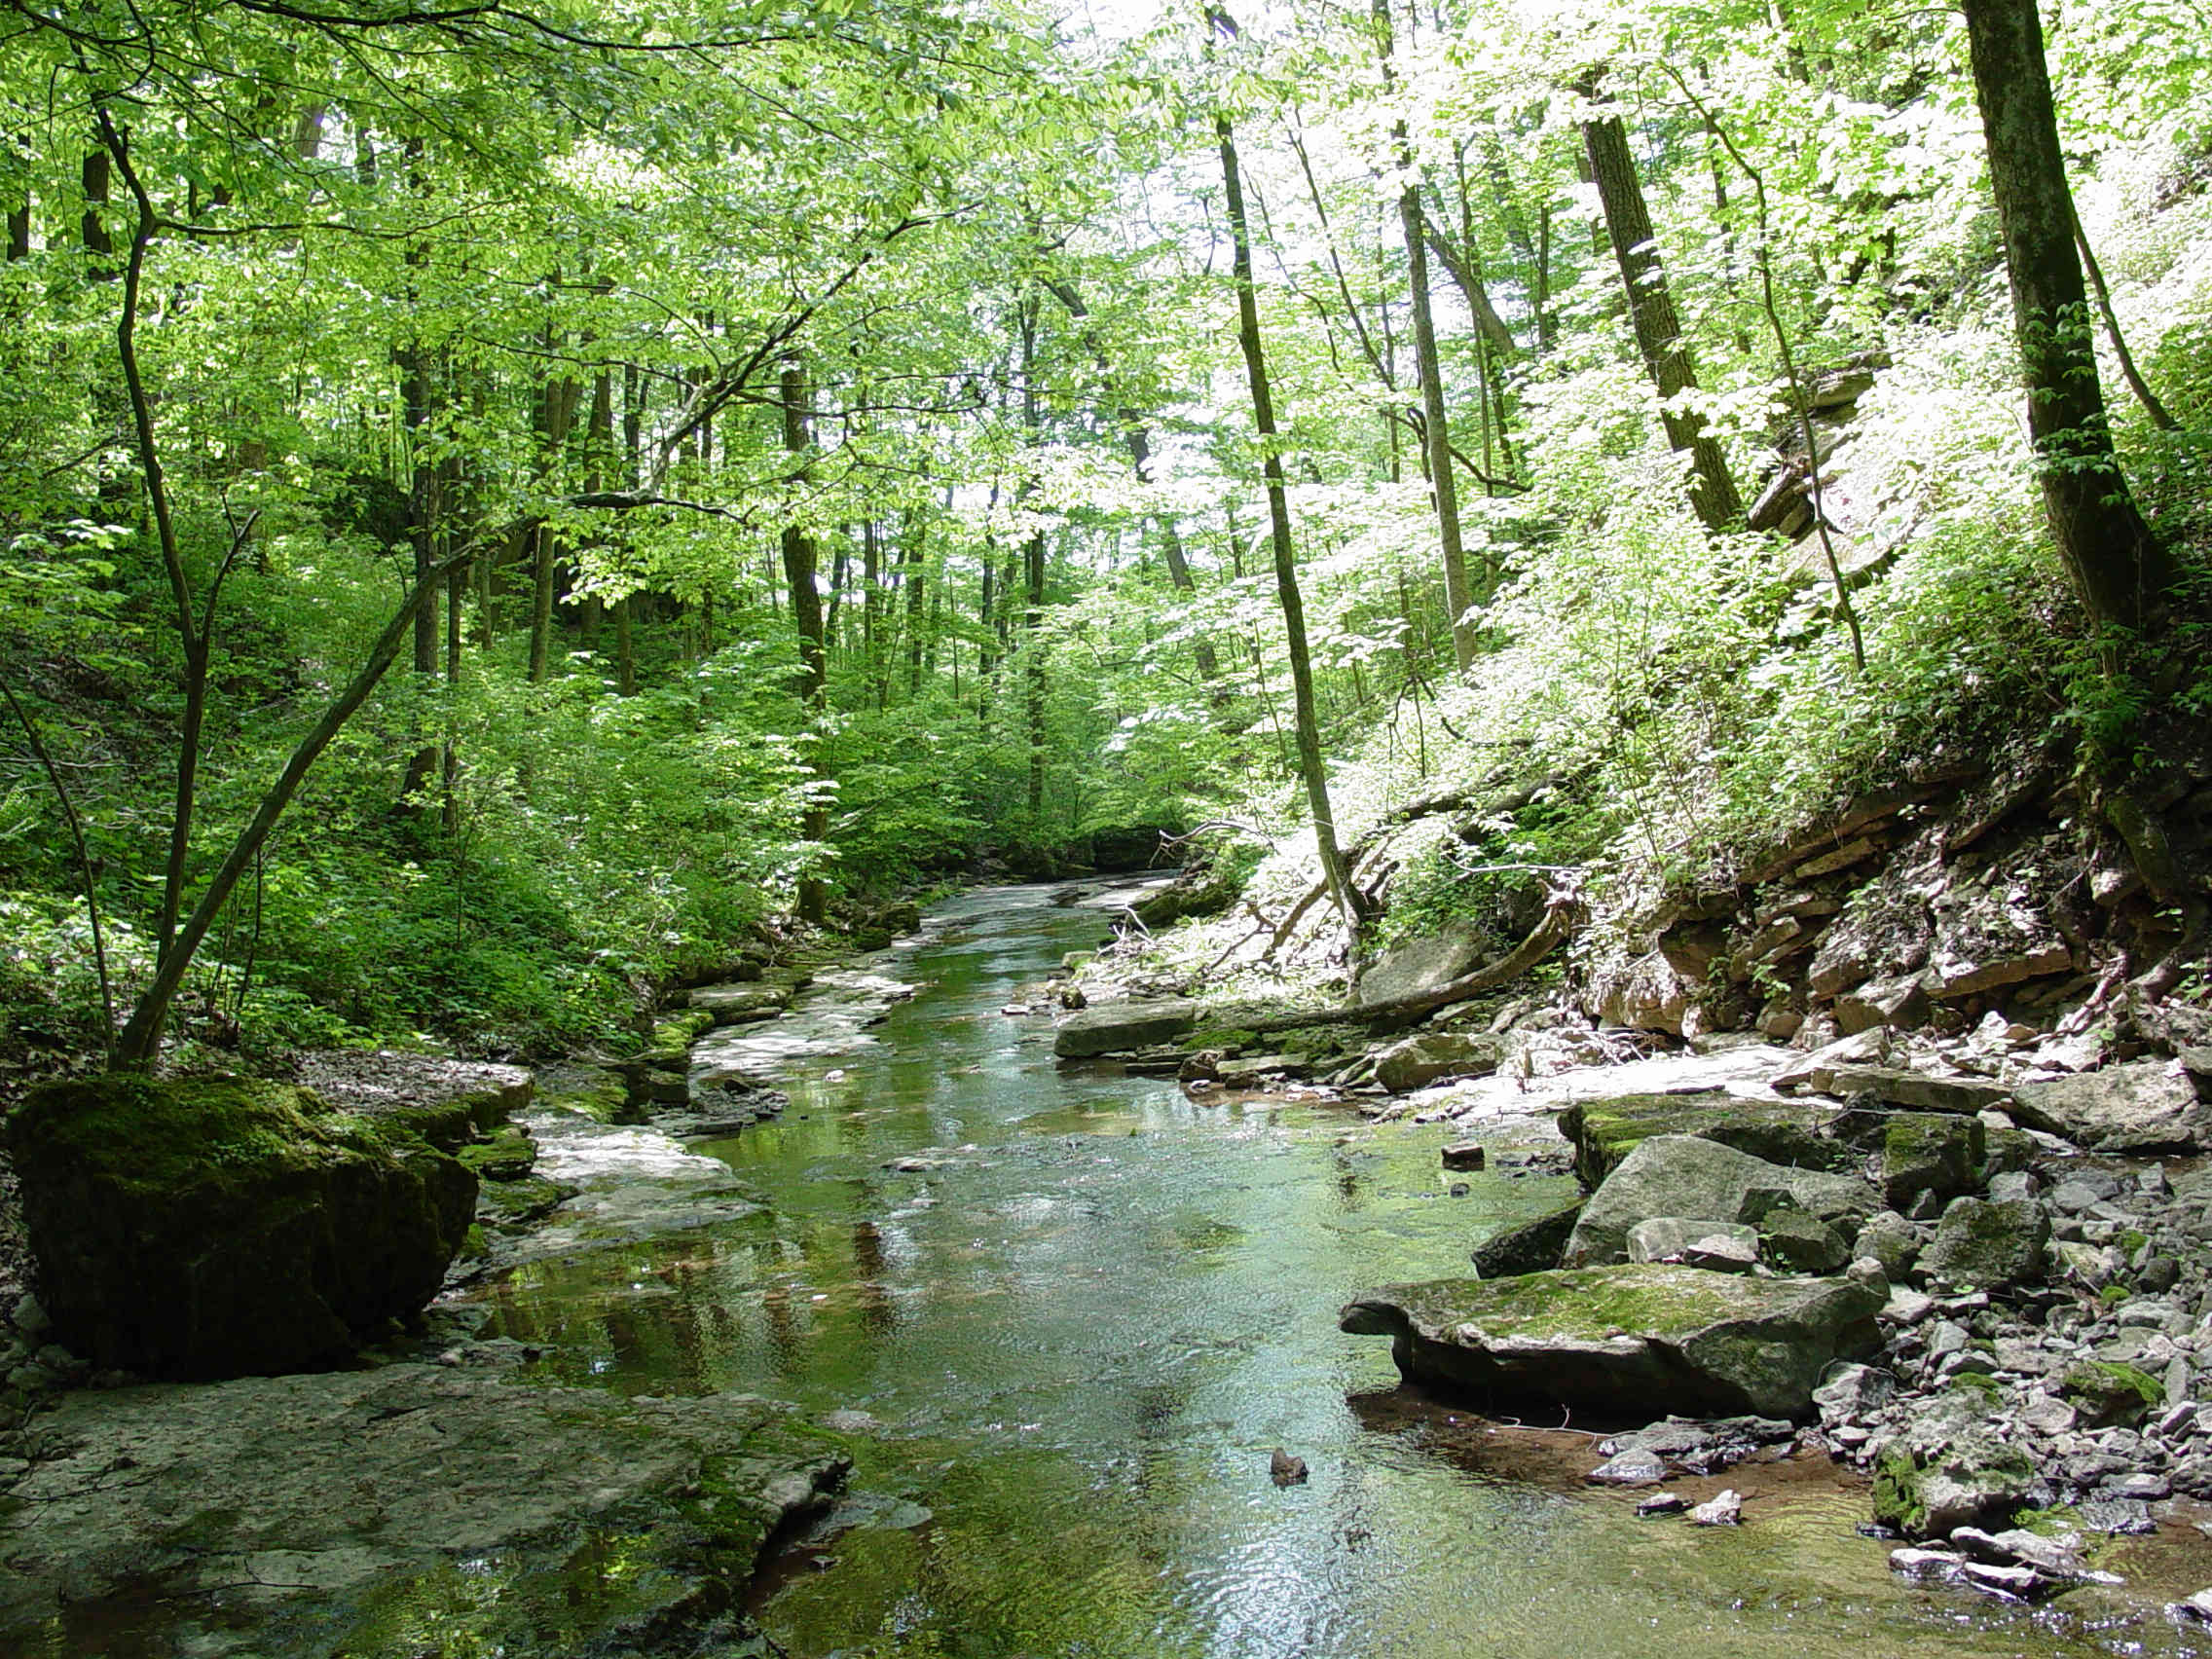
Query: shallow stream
{"type": "Point", "coordinates": [1082, 1317]}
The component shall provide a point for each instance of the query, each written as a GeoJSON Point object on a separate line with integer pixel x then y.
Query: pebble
{"type": "Point", "coordinates": [1725, 1508]}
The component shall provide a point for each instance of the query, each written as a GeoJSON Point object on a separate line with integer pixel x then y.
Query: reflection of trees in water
{"type": "Point", "coordinates": [879, 1314]}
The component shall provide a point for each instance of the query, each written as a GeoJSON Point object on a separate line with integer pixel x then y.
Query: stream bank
{"type": "Point", "coordinates": [1059, 1317]}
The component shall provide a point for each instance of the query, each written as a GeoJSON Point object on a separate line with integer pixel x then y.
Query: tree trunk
{"type": "Point", "coordinates": [799, 561]}
{"type": "Point", "coordinates": [2117, 565]}
{"type": "Point", "coordinates": [554, 411]}
{"type": "Point", "coordinates": [1651, 310]}
{"type": "Point", "coordinates": [1033, 572]}
{"type": "Point", "coordinates": [1309, 762]}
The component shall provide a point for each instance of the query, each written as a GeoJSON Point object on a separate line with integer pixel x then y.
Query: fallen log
{"type": "Point", "coordinates": [1547, 935]}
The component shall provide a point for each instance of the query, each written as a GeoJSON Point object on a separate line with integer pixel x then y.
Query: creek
{"type": "Point", "coordinates": [1067, 1330]}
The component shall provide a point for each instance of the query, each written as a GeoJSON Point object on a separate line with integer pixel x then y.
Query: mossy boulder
{"type": "Point", "coordinates": [1647, 1338]}
{"type": "Point", "coordinates": [1113, 1028]}
{"type": "Point", "coordinates": [1795, 1242]}
{"type": "Point", "coordinates": [508, 1156]}
{"type": "Point", "coordinates": [222, 1227]}
{"type": "Point", "coordinates": [1603, 1132]}
{"type": "Point", "coordinates": [2111, 1395]}
{"type": "Point", "coordinates": [1415, 1062]}
{"type": "Point", "coordinates": [1984, 1245]}
{"type": "Point", "coordinates": [1948, 1469]}
{"type": "Point", "coordinates": [1931, 1152]}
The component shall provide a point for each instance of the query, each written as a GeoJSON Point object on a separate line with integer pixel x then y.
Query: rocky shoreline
{"type": "Point", "coordinates": [2008, 1244]}
{"type": "Point", "coordinates": [442, 1489]}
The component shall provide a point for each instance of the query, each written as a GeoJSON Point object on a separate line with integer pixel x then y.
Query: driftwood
{"type": "Point", "coordinates": [1548, 933]}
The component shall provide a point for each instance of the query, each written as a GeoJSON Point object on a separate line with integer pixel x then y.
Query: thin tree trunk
{"type": "Point", "coordinates": [1033, 570]}
{"type": "Point", "coordinates": [2117, 565]}
{"type": "Point", "coordinates": [1651, 310]}
{"type": "Point", "coordinates": [799, 566]}
{"type": "Point", "coordinates": [1310, 759]}
{"type": "Point", "coordinates": [2161, 418]}
{"type": "Point", "coordinates": [556, 411]}
{"type": "Point", "coordinates": [1444, 490]}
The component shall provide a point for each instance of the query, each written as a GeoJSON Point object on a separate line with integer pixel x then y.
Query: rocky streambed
{"type": "Point", "coordinates": [1059, 1316]}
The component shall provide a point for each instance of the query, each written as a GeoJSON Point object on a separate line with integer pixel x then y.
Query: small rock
{"type": "Point", "coordinates": [2013, 1186]}
{"type": "Point", "coordinates": [1725, 1508]}
{"type": "Point", "coordinates": [452, 1356]}
{"type": "Point", "coordinates": [1465, 1155]}
{"type": "Point", "coordinates": [2129, 1517]}
{"type": "Point", "coordinates": [1662, 1503]}
{"type": "Point", "coordinates": [2018, 1582]}
{"type": "Point", "coordinates": [1926, 1564]}
{"type": "Point", "coordinates": [2197, 1609]}
{"type": "Point", "coordinates": [30, 1319]}
{"type": "Point", "coordinates": [1284, 1469]}
{"type": "Point", "coordinates": [1630, 1469]}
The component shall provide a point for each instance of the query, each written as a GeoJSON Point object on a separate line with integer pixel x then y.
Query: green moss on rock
{"type": "Point", "coordinates": [2110, 1394]}
{"type": "Point", "coordinates": [1603, 1132]}
{"type": "Point", "coordinates": [219, 1225]}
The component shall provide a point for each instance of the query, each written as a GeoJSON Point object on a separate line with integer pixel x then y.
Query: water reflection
{"type": "Point", "coordinates": [1086, 1314]}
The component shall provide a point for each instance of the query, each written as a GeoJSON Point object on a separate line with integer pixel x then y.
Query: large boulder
{"type": "Point", "coordinates": [1423, 963]}
{"type": "Point", "coordinates": [1111, 1028]}
{"type": "Point", "coordinates": [1603, 1132]}
{"type": "Point", "coordinates": [1644, 1340]}
{"type": "Point", "coordinates": [2149, 1106]}
{"type": "Point", "coordinates": [1702, 1180]}
{"type": "Point", "coordinates": [1415, 1062]}
{"type": "Point", "coordinates": [220, 1227]}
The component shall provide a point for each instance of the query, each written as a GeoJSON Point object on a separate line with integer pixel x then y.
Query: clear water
{"type": "Point", "coordinates": [1082, 1336]}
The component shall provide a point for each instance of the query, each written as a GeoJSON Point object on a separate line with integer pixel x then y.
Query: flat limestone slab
{"type": "Point", "coordinates": [328, 1514]}
{"type": "Point", "coordinates": [1112, 1027]}
{"type": "Point", "coordinates": [1641, 1340]}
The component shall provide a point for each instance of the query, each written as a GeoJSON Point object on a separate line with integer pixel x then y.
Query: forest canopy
{"type": "Point", "coordinates": [500, 500]}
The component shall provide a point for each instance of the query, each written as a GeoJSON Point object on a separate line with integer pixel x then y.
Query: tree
{"type": "Point", "coordinates": [2117, 565]}
{"type": "Point", "coordinates": [1651, 311]}
{"type": "Point", "coordinates": [1312, 768]}
{"type": "Point", "coordinates": [1436, 428]}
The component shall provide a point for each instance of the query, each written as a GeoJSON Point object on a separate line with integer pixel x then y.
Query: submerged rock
{"type": "Point", "coordinates": [1640, 1338]}
{"type": "Point", "coordinates": [1111, 1027]}
{"type": "Point", "coordinates": [219, 1227]}
{"type": "Point", "coordinates": [334, 1511]}
{"type": "Point", "coordinates": [1699, 1179]}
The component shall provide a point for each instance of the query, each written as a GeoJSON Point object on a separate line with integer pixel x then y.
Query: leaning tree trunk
{"type": "Point", "coordinates": [1309, 762]}
{"type": "Point", "coordinates": [2117, 565]}
{"type": "Point", "coordinates": [1651, 310]}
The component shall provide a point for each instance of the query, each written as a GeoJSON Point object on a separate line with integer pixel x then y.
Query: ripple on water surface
{"type": "Point", "coordinates": [1082, 1314]}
